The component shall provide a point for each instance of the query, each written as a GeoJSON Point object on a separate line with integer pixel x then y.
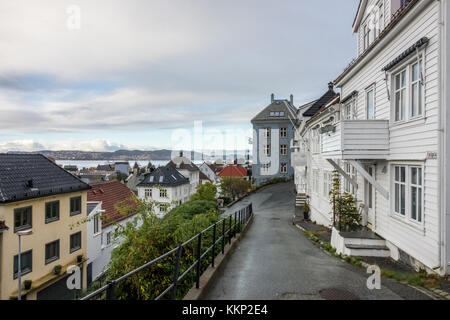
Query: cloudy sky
{"type": "Point", "coordinates": [136, 74]}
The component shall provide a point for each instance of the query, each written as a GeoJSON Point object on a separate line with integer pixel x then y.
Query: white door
{"type": "Point", "coordinates": [369, 196]}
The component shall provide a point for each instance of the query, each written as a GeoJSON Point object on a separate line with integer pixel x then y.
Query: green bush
{"type": "Point", "coordinates": [154, 238]}
{"type": "Point", "coordinates": [206, 191]}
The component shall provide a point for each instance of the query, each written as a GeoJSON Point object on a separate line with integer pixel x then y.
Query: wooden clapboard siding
{"type": "Point", "coordinates": [408, 141]}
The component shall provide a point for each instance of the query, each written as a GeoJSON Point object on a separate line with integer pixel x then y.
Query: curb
{"type": "Point", "coordinates": [210, 275]}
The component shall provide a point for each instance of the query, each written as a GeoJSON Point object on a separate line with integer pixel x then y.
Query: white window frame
{"type": "Point", "coordinates": [407, 67]}
{"type": "Point", "coordinates": [283, 132]}
{"type": "Point", "coordinates": [97, 224]}
{"type": "Point", "coordinates": [368, 90]}
{"type": "Point", "coordinates": [348, 110]}
{"type": "Point", "coordinates": [148, 193]}
{"type": "Point", "coordinates": [163, 193]}
{"type": "Point", "coordinates": [316, 140]}
{"type": "Point", "coordinates": [283, 149]}
{"type": "Point", "coordinates": [351, 172]}
{"type": "Point", "coordinates": [267, 150]}
{"type": "Point", "coordinates": [283, 169]}
{"type": "Point", "coordinates": [407, 217]}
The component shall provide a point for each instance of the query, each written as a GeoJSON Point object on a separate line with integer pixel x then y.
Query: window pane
{"type": "Point", "coordinates": [419, 200]}
{"type": "Point", "coordinates": [403, 174]}
{"type": "Point", "coordinates": [415, 72]}
{"type": "Point", "coordinates": [420, 176]}
{"type": "Point", "coordinates": [414, 175]}
{"type": "Point", "coordinates": [402, 199]}
{"type": "Point", "coordinates": [414, 100]}
{"type": "Point", "coordinates": [414, 203]}
{"type": "Point", "coordinates": [397, 198]}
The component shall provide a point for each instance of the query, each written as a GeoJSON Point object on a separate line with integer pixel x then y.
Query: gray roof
{"type": "Point", "coordinates": [164, 176]}
{"type": "Point", "coordinates": [91, 206]}
{"type": "Point", "coordinates": [134, 180]}
{"type": "Point", "coordinates": [277, 106]}
{"type": "Point", "coordinates": [29, 176]}
{"type": "Point", "coordinates": [319, 103]}
{"type": "Point", "coordinates": [184, 166]}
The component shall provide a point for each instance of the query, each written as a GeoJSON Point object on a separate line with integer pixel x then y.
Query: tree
{"type": "Point", "coordinates": [344, 206]}
{"type": "Point", "coordinates": [234, 187]}
{"type": "Point", "coordinates": [206, 191]}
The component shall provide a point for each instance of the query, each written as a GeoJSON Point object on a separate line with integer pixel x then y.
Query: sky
{"type": "Point", "coordinates": [105, 75]}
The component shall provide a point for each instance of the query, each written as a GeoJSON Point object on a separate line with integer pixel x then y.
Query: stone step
{"type": "Point", "coordinates": [365, 242]}
{"type": "Point", "coordinates": [367, 250]}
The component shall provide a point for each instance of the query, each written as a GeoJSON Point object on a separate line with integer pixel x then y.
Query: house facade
{"type": "Point", "coordinates": [273, 131]}
{"type": "Point", "coordinates": [388, 135]}
{"type": "Point", "coordinates": [103, 223]}
{"type": "Point", "coordinates": [188, 169]}
{"type": "Point", "coordinates": [38, 195]}
{"type": "Point", "coordinates": [166, 187]}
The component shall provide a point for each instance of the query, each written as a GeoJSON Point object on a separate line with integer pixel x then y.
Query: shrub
{"type": "Point", "coordinates": [206, 191]}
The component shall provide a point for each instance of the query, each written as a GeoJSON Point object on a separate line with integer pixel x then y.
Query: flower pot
{"type": "Point", "coordinates": [57, 269]}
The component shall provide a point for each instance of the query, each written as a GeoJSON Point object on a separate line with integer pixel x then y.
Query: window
{"type": "Point", "coordinates": [400, 95]}
{"type": "Point", "coordinates": [97, 224]}
{"type": "Point", "coordinates": [316, 181]}
{"type": "Point", "coordinates": [265, 168]}
{"type": "Point", "coordinates": [409, 92]}
{"type": "Point", "coordinates": [416, 194]}
{"type": "Point", "coordinates": [416, 90]}
{"type": "Point", "coordinates": [267, 150]}
{"type": "Point", "coordinates": [266, 133]}
{"type": "Point", "coordinates": [148, 193]}
{"type": "Point", "coordinates": [51, 252]}
{"type": "Point", "coordinates": [283, 132]}
{"type": "Point", "coordinates": [284, 150]}
{"type": "Point", "coordinates": [51, 211]}
{"type": "Point", "coordinates": [327, 181]}
{"type": "Point", "coordinates": [316, 141]}
{"type": "Point", "coordinates": [162, 208]}
{"type": "Point", "coordinates": [370, 103]}
{"type": "Point", "coordinates": [400, 190]}
{"type": "Point", "coordinates": [351, 172]}
{"type": "Point", "coordinates": [163, 193]}
{"type": "Point", "coordinates": [283, 167]}
{"type": "Point", "coordinates": [75, 206]}
{"type": "Point", "coordinates": [22, 219]}
{"type": "Point", "coordinates": [75, 242]}
{"type": "Point", "coordinates": [366, 37]}
{"type": "Point", "coordinates": [108, 238]}
{"type": "Point", "coordinates": [347, 112]}
{"type": "Point", "coordinates": [26, 263]}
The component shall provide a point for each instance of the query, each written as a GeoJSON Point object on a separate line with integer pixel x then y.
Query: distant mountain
{"type": "Point", "coordinates": [116, 155]}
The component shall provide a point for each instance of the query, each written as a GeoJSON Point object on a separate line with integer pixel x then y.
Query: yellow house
{"type": "Point", "coordinates": [38, 195]}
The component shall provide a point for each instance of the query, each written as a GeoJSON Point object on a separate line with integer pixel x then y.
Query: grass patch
{"type": "Point", "coordinates": [420, 279]}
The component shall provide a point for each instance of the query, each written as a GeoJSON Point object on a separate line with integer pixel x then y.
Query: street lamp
{"type": "Point", "coordinates": [19, 277]}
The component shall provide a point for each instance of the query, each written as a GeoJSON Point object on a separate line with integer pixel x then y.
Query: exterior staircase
{"type": "Point", "coordinates": [361, 243]}
{"type": "Point", "coordinates": [300, 200]}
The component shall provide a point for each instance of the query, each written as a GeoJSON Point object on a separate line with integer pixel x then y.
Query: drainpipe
{"type": "Point", "coordinates": [441, 142]}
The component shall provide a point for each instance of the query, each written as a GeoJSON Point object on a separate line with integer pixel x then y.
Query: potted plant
{"type": "Point", "coordinates": [79, 258]}
{"type": "Point", "coordinates": [57, 269]}
{"type": "Point", "coordinates": [27, 284]}
{"type": "Point", "coordinates": [306, 211]}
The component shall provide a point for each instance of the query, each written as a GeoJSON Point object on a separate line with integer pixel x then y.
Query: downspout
{"type": "Point", "coordinates": [441, 141]}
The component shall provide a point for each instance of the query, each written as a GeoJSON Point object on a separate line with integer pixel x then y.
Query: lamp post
{"type": "Point", "coordinates": [19, 267]}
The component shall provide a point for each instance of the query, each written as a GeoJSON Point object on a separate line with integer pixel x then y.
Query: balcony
{"type": "Point", "coordinates": [356, 140]}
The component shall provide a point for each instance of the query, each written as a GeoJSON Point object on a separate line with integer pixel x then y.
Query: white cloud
{"type": "Point", "coordinates": [69, 144]}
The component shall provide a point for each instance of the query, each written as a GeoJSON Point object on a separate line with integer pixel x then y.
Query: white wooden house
{"type": "Point", "coordinates": [388, 135]}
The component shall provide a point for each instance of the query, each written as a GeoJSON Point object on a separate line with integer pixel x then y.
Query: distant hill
{"type": "Point", "coordinates": [116, 155]}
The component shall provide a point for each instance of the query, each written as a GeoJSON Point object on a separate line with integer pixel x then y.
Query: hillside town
{"type": "Point", "coordinates": [360, 172]}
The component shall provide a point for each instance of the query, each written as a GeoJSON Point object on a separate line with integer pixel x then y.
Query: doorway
{"type": "Point", "coordinates": [369, 196]}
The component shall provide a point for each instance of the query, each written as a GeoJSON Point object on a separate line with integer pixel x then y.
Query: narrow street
{"type": "Point", "coordinates": [276, 261]}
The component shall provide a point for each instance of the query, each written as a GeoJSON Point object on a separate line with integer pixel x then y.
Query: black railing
{"type": "Point", "coordinates": [227, 228]}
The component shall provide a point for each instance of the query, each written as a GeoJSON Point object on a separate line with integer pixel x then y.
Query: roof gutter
{"type": "Point", "coordinates": [383, 42]}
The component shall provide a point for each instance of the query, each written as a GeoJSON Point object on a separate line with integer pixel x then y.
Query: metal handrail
{"type": "Point", "coordinates": [240, 217]}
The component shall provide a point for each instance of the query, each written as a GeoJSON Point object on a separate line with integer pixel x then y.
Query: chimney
{"type": "Point", "coordinates": [272, 96]}
{"type": "Point", "coordinates": [181, 153]}
{"type": "Point", "coordinates": [330, 85]}
{"type": "Point", "coordinates": [292, 99]}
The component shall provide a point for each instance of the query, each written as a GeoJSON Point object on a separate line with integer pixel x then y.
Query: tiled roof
{"type": "Point", "coordinates": [319, 103]}
{"type": "Point", "coordinates": [164, 176]}
{"type": "Point", "coordinates": [110, 193]}
{"type": "Point", "coordinates": [29, 176]}
{"type": "Point", "coordinates": [233, 171]}
{"type": "Point", "coordinates": [396, 17]}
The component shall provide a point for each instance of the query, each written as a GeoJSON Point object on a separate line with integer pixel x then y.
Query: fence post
{"type": "Point", "coordinates": [230, 231]}
{"type": "Point", "coordinates": [110, 290]}
{"type": "Point", "coordinates": [235, 224]}
{"type": "Point", "coordinates": [240, 221]}
{"type": "Point", "coordinates": [214, 245]}
{"type": "Point", "coordinates": [177, 271]}
{"type": "Point", "coordinates": [223, 236]}
{"type": "Point", "coordinates": [199, 259]}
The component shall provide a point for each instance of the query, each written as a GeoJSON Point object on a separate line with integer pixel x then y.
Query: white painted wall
{"type": "Point", "coordinates": [179, 195]}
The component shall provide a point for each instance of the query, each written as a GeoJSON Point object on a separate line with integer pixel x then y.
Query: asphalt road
{"type": "Point", "coordinates": [276, 261]}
